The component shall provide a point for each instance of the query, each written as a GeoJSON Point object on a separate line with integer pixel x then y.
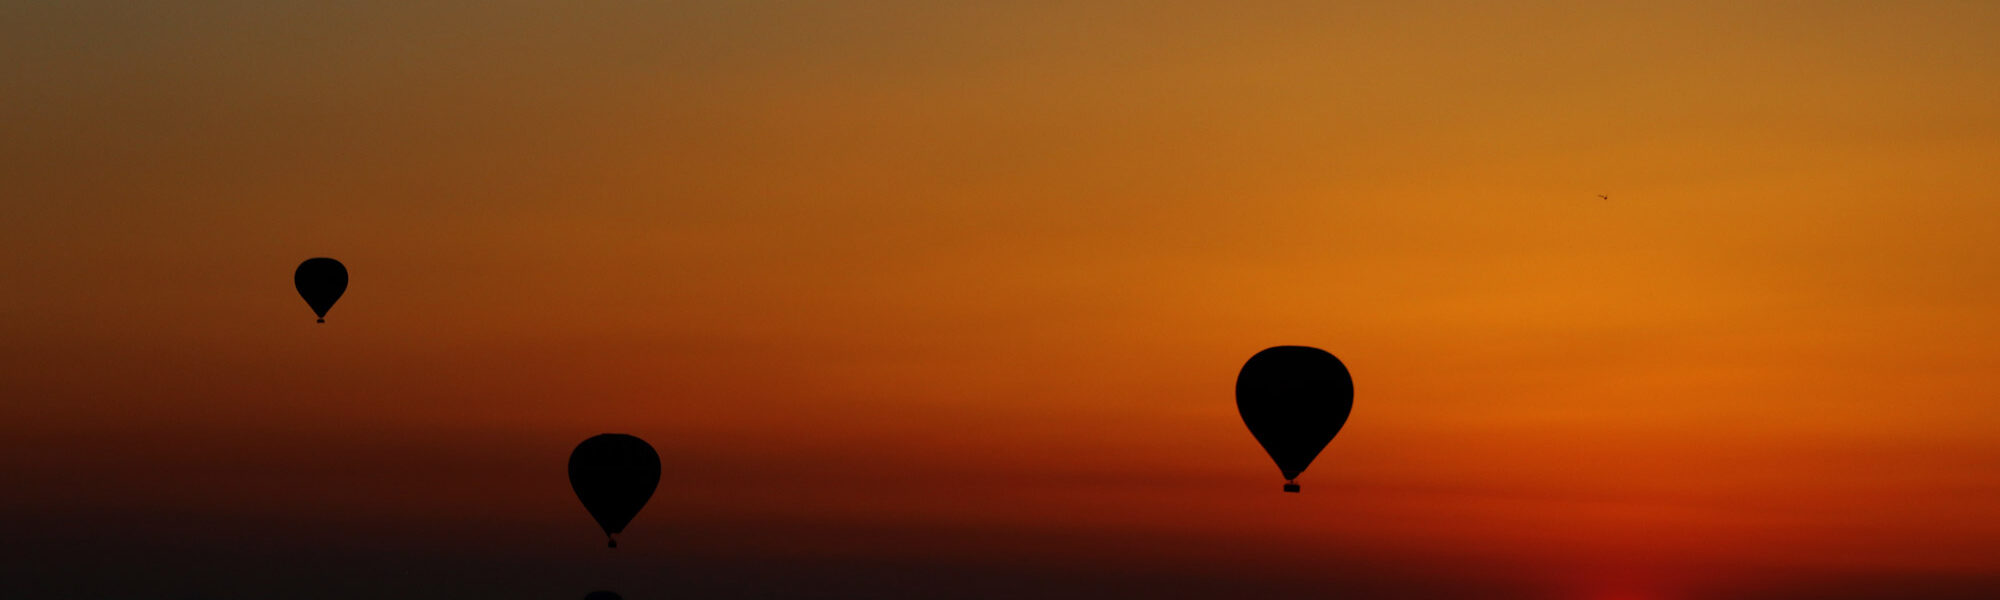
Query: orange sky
{"type": "Point", "coordinates": [911, 295]}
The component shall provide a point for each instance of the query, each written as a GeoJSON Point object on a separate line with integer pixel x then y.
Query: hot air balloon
{"type": "Point", "coordinates": [321, 281]}
{"type": "Point", "coordinates": [1294, 398]}
{"type": "Point", "coordinates": [614, 474]}
{"type": "Point", "coordinates": [603, 595]}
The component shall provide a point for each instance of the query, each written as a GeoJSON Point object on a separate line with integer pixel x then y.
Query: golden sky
{"type": "Point", "coordinates": [947, 299]}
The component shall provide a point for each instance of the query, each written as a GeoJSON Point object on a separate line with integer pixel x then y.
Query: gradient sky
{"type": "Point", "coordinates": [939, 299]}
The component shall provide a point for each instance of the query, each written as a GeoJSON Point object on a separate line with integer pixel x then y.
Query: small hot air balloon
{"type": "Point", "coordinates": [321, 281]}
{"type": "Point", "coordinates": [1295, 399]}
{"type": "Point", "coordinates": [603, 595]}
{"type": "Point", "coordinates": [614, 475]}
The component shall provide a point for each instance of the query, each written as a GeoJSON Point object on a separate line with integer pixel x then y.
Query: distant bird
{"type": "Point", "coordinates": [1603, 197]}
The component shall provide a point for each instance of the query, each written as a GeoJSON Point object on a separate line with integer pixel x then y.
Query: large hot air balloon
{"type": "Point", "coordinates": [1294, 399]}
{"type": "Point", "coordinates": [614, 474]}
{"type": "Point", "coordinates": [321, 281]}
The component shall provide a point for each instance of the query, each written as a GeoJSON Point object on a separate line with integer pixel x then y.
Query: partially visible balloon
{"type": "Point", "coordinates": [602, 595]}
{"type": "Point", "coordinates": [1294, 399]}
{"type": "Point", "coordinates": [614, 475]}
{"type": "Point", "coordinates": [320, 281]}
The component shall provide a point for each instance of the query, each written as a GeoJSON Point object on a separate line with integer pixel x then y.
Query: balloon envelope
{"type": "Point", "coordinates": [614, 475]}
{"type": "Point", "coordinates": [320, 281]}
{"type": "Point", "coordinates": [1294, 399]}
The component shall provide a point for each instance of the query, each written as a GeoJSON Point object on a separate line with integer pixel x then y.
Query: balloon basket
{"type": "Point", "coordinates": [1291, 487]}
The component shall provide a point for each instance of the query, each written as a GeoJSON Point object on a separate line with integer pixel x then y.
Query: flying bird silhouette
{"type": "Point", "coordinates": [1603, 197]}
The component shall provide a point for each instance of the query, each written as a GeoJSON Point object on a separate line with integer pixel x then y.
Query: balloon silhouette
{"type": "Point", "coordinates": [1294, 399]}
{"type": "Point", "coordinates": [321, 281]}
{"type": "Point", "coordinates": [614, 474]}
{"type": "Point", "coordinates": [603, 595]}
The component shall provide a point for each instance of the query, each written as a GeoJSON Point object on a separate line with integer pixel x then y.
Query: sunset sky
{"type": "Point", "coordinates": [947, 299]}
